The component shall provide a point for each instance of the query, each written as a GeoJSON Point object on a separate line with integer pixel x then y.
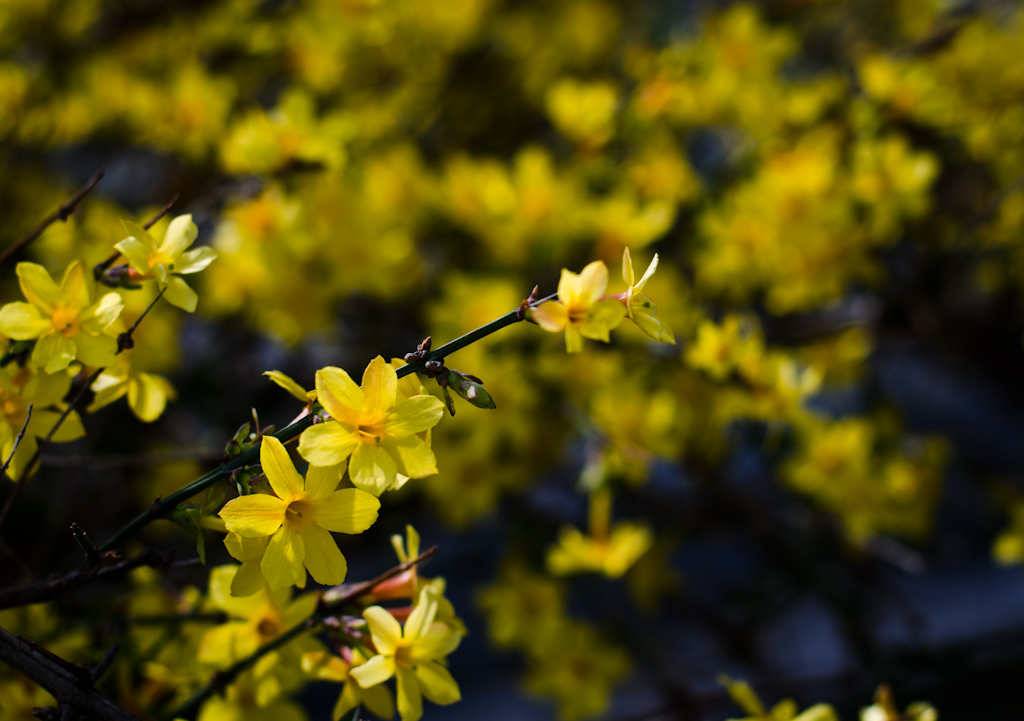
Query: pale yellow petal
{"type": "Point", "coordinates": [340, 395]}
{"type": "Point", "coordinates": [378, 700]}
{"type": "Point", "coordinates": [324, 560]}
{"type": "Point", "coordinates": [181, 233]}
{"type": "Point", "coordinates": [53, 352]}
{"type": "Point", "coordinates": [327, 444]}
{"type": "Point", "coordinates": [648, 273]}
{"type": "Point", "coordinates": [380, 387]}
{"type": "Point", "coordinates": [254, 515]}
{"type": "Point", "coordinates": [552, 316]}
{"type": "Point", "coordinates": [573, 339]}
{"type": "Point", "coordinates": [349, 510]}
{"type": "Point", "coordinates": [627, 268]}
{"type": "Point", "coordinates": [321, 481]}
{"type": "Point", "coordinates": [180, 295]}
{"type": "Point", "coordinates": [38, 286]}
{"type": "Point", "coordinates": [98, 351]}
{"type": "Point", "coordinates": [372, 469]}
{"type": "Point", "coordinates": [288, 384]}
{"type": "Point", "coordinates": [422, 615]}
{"type": "Point", "coordinates": [248, 580]}
{"type": "Point", "coordinates": [410, 698]}
{"type": "Point", "coordinates": [384, 629]}
{"type": "Point", "coordinates": [413, 457]}
{"type": "Point", "coordinates": [284, 479]}
{"type": "Point", "coordinates": [147, 396]}
{"type": "Point", "coordinates": [437, 683]}
{"type": "Point", "coordinates": [282, 564]}
{"type": "Point", "coordinates": [103, 314]}
{"type": "Point", "coordinates": [601, 319]}
{"type": "Point", "coordinates": [245, 549]}
{"type": "Point", "coordinates": [23, 321]}
{"type": "Point", "coordinates": [414, 415]}
{"type": "Point", "coordinates": [136, 253]}
{"type": "Point", "coordinates": [194, 260]}
{"type": "Point", "coordinates": [593, 282]}
{"type": "Point", "coordinates": [73, 289]}
{"type": "Point", "coordinates": [378, 669]}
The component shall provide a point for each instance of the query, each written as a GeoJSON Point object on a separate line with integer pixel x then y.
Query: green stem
{"type": "Point", "coordinates": [162, 507]}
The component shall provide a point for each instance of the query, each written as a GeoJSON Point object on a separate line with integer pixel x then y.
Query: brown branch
{"type": "Point", "coordinates": [62, 213]}
{"type": "Point", "coordinates": [17, 441]}
{"type": "Point", "coordinates": [110, 566]}
{"type": "Point", "coordinates": [71, 685]}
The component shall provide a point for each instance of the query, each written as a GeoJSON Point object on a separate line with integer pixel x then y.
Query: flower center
{"type": "Point", "coordinates": [267, 628]}
{"type": "Point", "coordinates": [299, 514]}
{"type": "Point", "coordinates": [403, 656]}
{"type": "Point", "coordinates": [65, 321]}
{"type": "Point", "coordinates": [373, 433]}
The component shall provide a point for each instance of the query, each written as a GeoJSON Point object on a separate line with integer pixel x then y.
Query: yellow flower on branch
{"type": "Point", "coordinates": [64, 320]}
{"type": "Point", "coordinates": [168, 260]}
{"type": "Point", "coordinates": [373, 427]}
{"type": "Point", "coordinates": [147, 393]}
{"type": "Point", "coordinates": [327, 667]}
{"type": "Point", "coordinates": [299, 519]}
{"type": "Point", "coordinates": [639, 307]}
{"type": "Point", "coordinates": [581, 309]}
{"type": "Point", "coordinates": [412, 655]}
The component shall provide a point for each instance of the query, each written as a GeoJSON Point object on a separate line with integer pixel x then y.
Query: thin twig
{"type": "Point", "coordinates": [109, 567]}
{"type": "Point", "coordinates": [17, 441]}
{"type": "Point", "coordinates": [62, 213]}
{"type": "Point", "coordinates": [223, 678]}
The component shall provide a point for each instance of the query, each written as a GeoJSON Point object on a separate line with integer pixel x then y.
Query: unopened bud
{"type": "Point", "coordinates": [470, 388]}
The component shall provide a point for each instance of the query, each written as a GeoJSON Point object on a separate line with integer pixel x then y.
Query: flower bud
{"type": "Point", "coordinates": [470, 388]}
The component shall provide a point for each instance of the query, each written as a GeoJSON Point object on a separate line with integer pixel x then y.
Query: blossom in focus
{"type": "Point", "coordinates": [65, 322]}
{"type": "Point", "coordinates": [581, 310]}
{"type": "Point", "coordinates": [412, 655]}
{"type": "Point", "coordinates": [372, 426]}
{"type": "Point", "coordinates": [639, 307]}
{"type": "Point", "coordinates": [299, 519]}
{"type": "Point", "coordinates": [168, 261]}
{"type": "Point", "coordinates": [326, 667]}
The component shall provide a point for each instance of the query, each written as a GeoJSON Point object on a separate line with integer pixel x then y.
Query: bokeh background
{"type": "Point", "coordinates": [823, 478]}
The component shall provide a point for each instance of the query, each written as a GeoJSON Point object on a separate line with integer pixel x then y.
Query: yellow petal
{"type": "Point", "coordinates": [136, 252]}
{"type": "Point", "coordinates": [53, 352]}
{"type": "Point", "coordinates": [340, 395]}
{"type": "Point", "coordinates": [70, 430]}
{"type": "Point", "coordinates": [372, 469]}
{"type": "Point", "coordinates": [439, 641]}
{"type": "Point", "coordinates": [627, 268]}
{"type": "Point", "coordinates": [349, 510]}
{"type": "Point", "coordinates": [321, 481]}
{"type": "Point", "coordinates": [414, 415]}
{"type": "Point", "coordinates": [655, 327]}
{"type": "Point", "coordinates": [140, 234]}
{"type": "Point", "coordinates": [245, 549]}
{"type": "Point", "coordinates": [147, 396]}
{"type": "Point", "coordinates": [284, 479]}
{"type": "Point", "coordinates": [23, 321]}
{"type": "Point", "coordinates": [181, 233]}
{"type": "Point", "coordinates": [324, 666]}
{"type": "Point", "coordinates": [573, 339]}
{"type": "Point", "coordinates": [323, 557]}
{"type": "Point", "coordinates": [180, 295]}
{"type": "Point", "coordinates": [592, 283]}
{"type": "Point", "coordinates": [288, 384]}
{"type": "Point", "coordinates": [347, 700]}
{"type": "Point", "coordinates": [282, 564]}
{"type": "Point", "coordinates": [380, 387]}
{"type": "Point", "coordinates": [551, 315]}
{"type": "Point", "coordinates": [602, 318]}
{"type": "Point", "coordinates": [73, 289]}
{"type": "Point", "coordinates": [253, 516]}
{"type": "Point", "coordinates": [327, 444]}
{"type": "Point", "coordinates": [379, 668]}
{"type": "Point", "coordinates": [98, 351]}
{"type": "Point", "coordinates": [437, 683]}
{"type": "Point", "coordinates": [248, 580]}
{"type": "Point", "coordinates": [422, 615]}
{"type": "Point", "coordinates": [648, 273]}
{"type": "Point", "coordinates": [385, 631]}
{"type": "Point", "coordinates": [45, 390]}
{"type": "Point", "coordinates": [102, 315]}
{"type": "Point", "coordinates": [377, 699]}
{"type": "Point", "coordinates": [38, 287]}
{"type": "Point", "coordinates": [194, 260]}
{"type": "Point", "coordinates": [410, 699]}
{"type": "Point", "coordinates": [413, 457]}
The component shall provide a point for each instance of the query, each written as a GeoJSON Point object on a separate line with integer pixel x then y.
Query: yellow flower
{"type": "Point", "coordinates": [785, 710]}
{"type": "Point", "coordinates": [326, 667]}
{"type": "Point", "coordinates": [299, 519]}
{"type": "Point", "coordinates": [412, 655]}
{"type": "Point", "coordinates": [612, 556]}
{"type": "Point", "coordinates": [372, 426]}
{"type": "Point", "coordinates": [20, 388]}
{"type": "Point", "coordinates": [641, 309]}
{"type": "Point", "coordinates": [580, 309]}
{"type": "Point", "coordinates": [168, 261]}
{"type": "Point", "coordinates": [67, 324]}
{"type": "Point", "coordinates": [147, 393]}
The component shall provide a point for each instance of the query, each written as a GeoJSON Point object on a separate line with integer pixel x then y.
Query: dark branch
{"type": "Point", "coordinates": [62, 213]}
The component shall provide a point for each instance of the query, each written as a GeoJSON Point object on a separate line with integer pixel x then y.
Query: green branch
{"type": "Point", "coordinates": [163, 506]}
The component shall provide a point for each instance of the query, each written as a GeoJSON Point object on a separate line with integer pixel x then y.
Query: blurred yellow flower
{"type": "Point", "coordinates": [147, 393]}
{"type": "Point", "coordinates": [168, 260]}
{"type": "Point", "coordinates": [67, 324]}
